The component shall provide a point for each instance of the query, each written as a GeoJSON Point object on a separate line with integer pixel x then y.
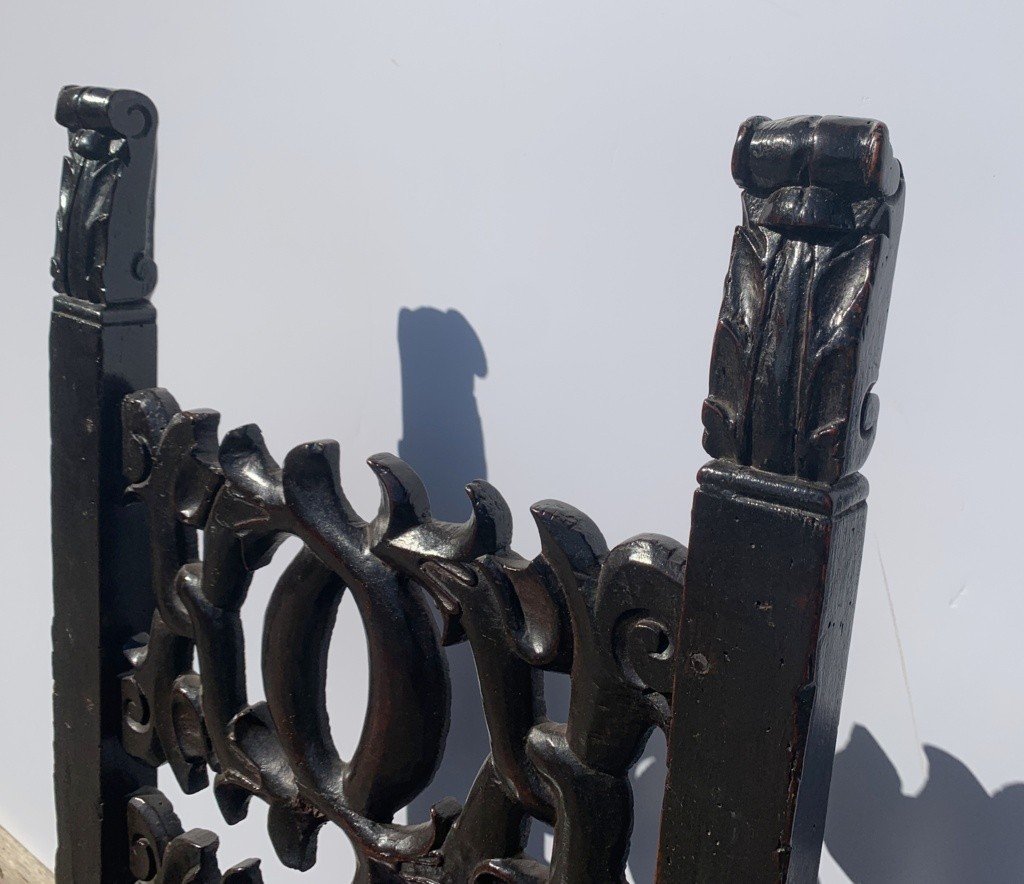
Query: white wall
{"type": "Point", "coordinates": [558, 174]}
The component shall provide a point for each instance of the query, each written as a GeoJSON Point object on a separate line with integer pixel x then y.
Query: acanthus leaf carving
{"type": "Point", "coordinates": [104, 248]}
{"type": "Point", "coordinates": [799, 336]}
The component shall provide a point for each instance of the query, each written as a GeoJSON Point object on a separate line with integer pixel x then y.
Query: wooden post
{"type": "Point", "coordinates": [102, 346]}
{"type": "Point", "coordinates": [778, 519]}
{"type": "Point", "coordinates": [771, 585]}
{"type": "Point", "coordinates": [751, 687]}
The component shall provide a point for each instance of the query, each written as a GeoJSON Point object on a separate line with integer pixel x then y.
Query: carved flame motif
{"type": "Point", "coordinates": [606, 617]}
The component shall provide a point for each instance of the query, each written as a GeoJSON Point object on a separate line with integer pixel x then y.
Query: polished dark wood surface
{"type": "Point", "coordinates": [743, 669]}
{"type": "Point", "coordinates": [778, 520]}
{"type": "Point", "coordinates": [102, 346]}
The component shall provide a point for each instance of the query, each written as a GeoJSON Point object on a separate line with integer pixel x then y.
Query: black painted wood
{"type": "Point", "coordinates": [102, 346]}
{"type": "Point", "coordinates": [778, 521]}
{"type": "Point", "coordinates": [743, 670]}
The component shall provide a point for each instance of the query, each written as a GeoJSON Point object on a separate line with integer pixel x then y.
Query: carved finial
{"type": "Point", "coordinates": [800, 332]}
{"type": "Point", "coordinates": [104, 247]}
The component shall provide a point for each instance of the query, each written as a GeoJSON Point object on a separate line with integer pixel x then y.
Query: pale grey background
{"type": "Point", "coordinates": [558, 174]}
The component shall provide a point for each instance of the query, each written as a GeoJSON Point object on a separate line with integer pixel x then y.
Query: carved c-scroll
{"type": "Point", "coordinates": [605, 616]}
{"type": "Point", "coordinates": [161, 852]}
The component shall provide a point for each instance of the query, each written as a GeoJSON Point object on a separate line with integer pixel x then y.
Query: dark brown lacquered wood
{"type": "Point", "coordinates": [778, 521]}
{"type": "Point", "coordinates": [743, 671]}
{"type": "Point", "coordinates": [102, 346]}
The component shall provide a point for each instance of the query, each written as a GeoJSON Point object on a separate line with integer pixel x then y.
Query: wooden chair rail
{"type": "Point", "coordinates": [736, 647]}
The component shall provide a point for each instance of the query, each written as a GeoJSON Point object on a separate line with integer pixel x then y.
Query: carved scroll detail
{"type": "Point", "coordinates": [795, 356]}
{"type": "Point", "coordinates": [800, 332]}
{"type": "Point", "coordinates": [608, 617]}
{"type": "Point", "coordinates": [161, 852]}
{"type": "Point", "coordinates": [104, 247]}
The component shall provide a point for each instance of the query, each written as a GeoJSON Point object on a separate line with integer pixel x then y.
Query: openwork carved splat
{"type": "Point", "coordinates": [738, 654]}
{"type": "Point", "coordinates": [605, 616]}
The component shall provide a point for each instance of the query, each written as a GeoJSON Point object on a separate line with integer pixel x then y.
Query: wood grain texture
{"type": "Point", "coordinates": [17, 865]}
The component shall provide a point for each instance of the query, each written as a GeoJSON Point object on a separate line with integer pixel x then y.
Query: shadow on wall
{"type": "Point", "coordinates": [442, 439]}
{"type": "Point", "coordinates": [953, 832]}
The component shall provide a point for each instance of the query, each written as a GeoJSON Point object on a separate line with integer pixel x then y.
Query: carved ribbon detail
{"type": "Point", "coordinates": [800, 333]}
{"type": "Point", "coordinates": [606, 617]}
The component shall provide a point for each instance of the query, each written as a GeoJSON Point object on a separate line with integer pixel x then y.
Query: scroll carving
{"type": "Point", "coordinates": [104, 248]}
{"type": "Point", "coordinates": [161, 852]}
{"type": "Point", "coordinates": [607, 617]}
{"type": "Point", "coordinates": [799, 337]}
{"type": "Point", "coordinates": [790, 410]}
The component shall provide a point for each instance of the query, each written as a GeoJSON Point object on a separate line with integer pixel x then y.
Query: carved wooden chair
{"type": "Point", "coordinates": [736, 648]}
